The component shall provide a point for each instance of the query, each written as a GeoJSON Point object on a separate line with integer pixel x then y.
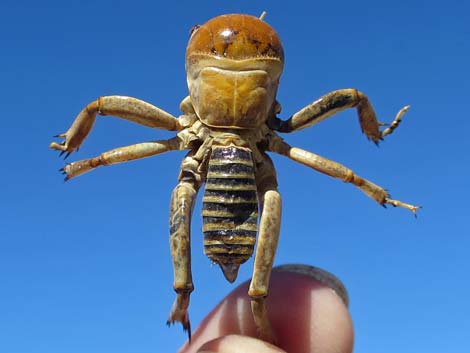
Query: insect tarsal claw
{"type": "Point", "coordinates": [188, 329]}
{"type": "Point", "coordinates": [415, 210]}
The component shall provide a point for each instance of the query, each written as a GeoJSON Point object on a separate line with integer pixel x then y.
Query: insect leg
{"type": "Point", "coordinates": [128, 108]}
{"type": "Point", "coordinates": [266, 250]}
{"type": "Point", "coordinates": [339, 171]}
{"type": "Point", "coordinates": [182, 202]}
{"type": "Point", "coordinates": [333, 103]}
{"type": "Point", "coordinates": [181, 207]}
{"type": "Point", "coordinates": [120, 155]}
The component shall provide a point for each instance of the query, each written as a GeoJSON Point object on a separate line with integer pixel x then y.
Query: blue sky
{"type": "Point", "coordinates": [85, 265]}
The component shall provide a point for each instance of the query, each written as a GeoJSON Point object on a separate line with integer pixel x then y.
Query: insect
{"type": "Point", "coordinates": [229, 122]}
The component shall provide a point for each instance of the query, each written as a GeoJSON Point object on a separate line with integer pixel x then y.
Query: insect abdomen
{"type": "Point", "coordinates": [230, 208]}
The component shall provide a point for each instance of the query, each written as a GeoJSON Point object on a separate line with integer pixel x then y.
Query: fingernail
{"type": "Point", "coordinates": [238, 344]}
{"type": "Point", "coordinates": [322, 276]}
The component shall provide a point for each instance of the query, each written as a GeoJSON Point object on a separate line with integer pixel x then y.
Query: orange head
{"type": "Point", "coordinates": [236, 37]}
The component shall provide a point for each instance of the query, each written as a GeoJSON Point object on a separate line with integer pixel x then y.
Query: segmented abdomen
{"type": "Point", "coordinates": [230, 206]}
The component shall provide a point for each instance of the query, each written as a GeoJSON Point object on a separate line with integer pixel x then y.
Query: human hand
{"type": "Point", "coordinates": [308, 311]}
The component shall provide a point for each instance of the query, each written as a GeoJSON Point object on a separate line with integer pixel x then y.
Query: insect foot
{"type": "Point", "coordinates": [396, 203]}
{"type": "Point", "coordinates": [74, 169]}
{"type": "Point", "coordinates": [63, 146]}
{"type": "Point", "coordinates": [263, 324]}
{"type": "Point", "coordinates": [79, 130]}
{"type": "Point", "coordinates": [179, 312]}
{"type": "Point", "coordinates": [64, 171]}
{"type": "Point", "coordinates": [394, 124]}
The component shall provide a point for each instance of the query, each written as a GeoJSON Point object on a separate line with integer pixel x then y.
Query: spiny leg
{"type": "Point", "coordinates": [333, 103]}
{"type": "Point", "coordinates": [120, 155]}
{"type": "Point", "coordinates": [128, 108]}
{"type": "Point", "coordinates": [264, 258]}
{"type": "Point", "coordinates": [182, 203]}
{"type": "Point", "coordinates": [339, 171]}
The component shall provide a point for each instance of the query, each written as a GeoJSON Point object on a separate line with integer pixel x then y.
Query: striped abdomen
{"type": "Point", "coordinates": [230, 208]}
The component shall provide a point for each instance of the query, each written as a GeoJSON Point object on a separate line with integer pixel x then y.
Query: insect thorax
{"type": "Point", "coordinates": [236, 94]}
{"type": "Point", "coordinates": [230, 208]}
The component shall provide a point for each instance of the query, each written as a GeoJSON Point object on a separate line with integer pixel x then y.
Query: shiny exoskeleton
{"type": "Point", "coordinates": [230, 208]}
{"type": "Point", "coordinates": [229, 122]}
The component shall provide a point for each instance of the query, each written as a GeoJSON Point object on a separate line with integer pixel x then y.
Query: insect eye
{"type": "Point", "coordinates": [193, 29]}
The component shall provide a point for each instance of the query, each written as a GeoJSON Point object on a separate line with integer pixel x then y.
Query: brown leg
{"type": "Point", "coordinates": [339, 171]}
{"type": "Point", "coordinates": [120, 155]}
{"type": "Point", "coordinates": [181, 208]}
{"type": "Point", "coordinates": [128, 108]}
{"type": "Point", "coordinates": [264, 259]}
{"type": "Point", "coordinates": [182, 202]}
{"type": "Point", "coordinates": [268, 237]}
{"type": "Point", "coordinates": [333, 103]}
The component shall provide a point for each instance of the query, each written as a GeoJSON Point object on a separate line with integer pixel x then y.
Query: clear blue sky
{"type": "Point", "coordinates": [85, 265]}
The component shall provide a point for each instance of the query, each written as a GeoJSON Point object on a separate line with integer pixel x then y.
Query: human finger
{"type": "Point", "coordinates": [307, 309]}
